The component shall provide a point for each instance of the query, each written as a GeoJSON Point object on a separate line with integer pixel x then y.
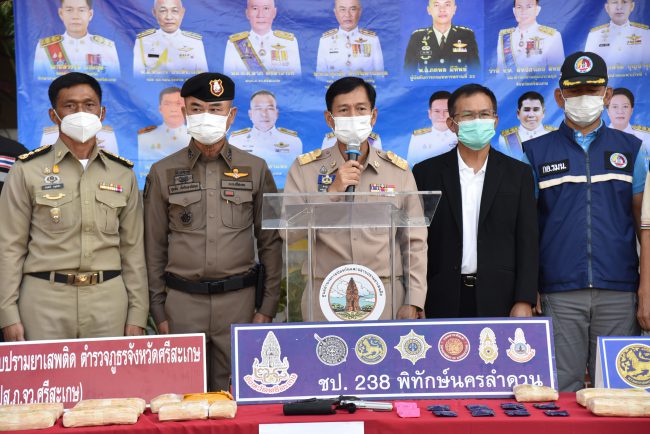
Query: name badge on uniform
{"type": "Point", "coordinates": [184, 188]}
{"type": "Point", "coordinates": [237, 185]}
{"type": "Point", "coordinates": [553, 168]}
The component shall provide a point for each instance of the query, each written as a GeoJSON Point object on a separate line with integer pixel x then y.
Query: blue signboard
{"type": "Point", "coordinates": [623, 362]}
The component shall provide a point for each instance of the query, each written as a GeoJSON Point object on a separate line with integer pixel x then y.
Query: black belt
{"type": "Point", "coordinates": [468, 279]}
{"type": "Point", "coordinates": [79, 279]}
{"type": "Point", "coordinates": [232, 283]}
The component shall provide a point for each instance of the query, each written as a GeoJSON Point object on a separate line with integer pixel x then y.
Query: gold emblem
{"type": "Point", "coordinates": [46, 171]}
{"type": "Point", "coordinates": [216, 87]}
{"type": "Point", "coordinates": [55, 214]}
{"type": "Point", "coordinates": [235, 174]}
{"type": "Point", "coordinates": [55, 169]}
{"type": "Point", "coordinates": [54, 197]}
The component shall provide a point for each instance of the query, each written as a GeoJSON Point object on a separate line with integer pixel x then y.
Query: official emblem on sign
{"type": "Point", "coordinates": [271, 375]}
{"type": "Point", "coordinates": [216, 87]}
{"type": "Point", "coordinates": [618, 160]}
{"type": "Point", "coordinates": [519, 350]}
{"type": "Point", "coordinates": [633, 365]}
{"type": "Point", "coordinates": [413, 347]}
{"type": "Point", "coordinates": [371, 349]}
{"type": "Point", "coordinates": [331, 350]}
{"type": "Point", "coordinates": [583, 64]}
{"type": "Point", "coordinates": [352, 292]}
{"type": "Point", "coordinates": [453, 346]}
{"type": "Point", "coordinates": [487, 348]}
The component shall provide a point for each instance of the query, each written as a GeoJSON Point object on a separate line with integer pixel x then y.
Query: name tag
{"type": "Point", "coordinates": [553, 168]}
{"type": "Point", "coordinates": [184, 188]}
{"type": "Point", "coordinates": [237, 185]}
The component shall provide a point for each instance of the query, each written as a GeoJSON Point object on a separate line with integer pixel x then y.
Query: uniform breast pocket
{"type": "Point", "coordinates": [55, 212]}
{"type": "Point", "coordinates": [186, 212]}
{"type": "Point", "coordinates": [109, 205]}
{"type": "Point", "coordinates": [237, 210]}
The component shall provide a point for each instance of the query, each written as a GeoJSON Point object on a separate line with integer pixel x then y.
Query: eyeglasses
{"type": "Point", "coordinates": [470, 116]}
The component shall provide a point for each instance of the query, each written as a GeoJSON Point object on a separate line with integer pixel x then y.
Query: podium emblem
{"type": "Point", "coordinates": [633, 365]}
{"type": "Point", "coordinates": [271, 374]}
{"type": "Point", "coordinates": [352, 293]}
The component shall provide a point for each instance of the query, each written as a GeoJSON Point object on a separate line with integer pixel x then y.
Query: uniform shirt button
{"type": "Point", "coordinates": [86, 202]}
{"type": "Point", "coordinates": [212, 193]}
{"type": "Point", "coordinates": [211, 216]}
{"type": "Point", "coordinates": [209, 172]}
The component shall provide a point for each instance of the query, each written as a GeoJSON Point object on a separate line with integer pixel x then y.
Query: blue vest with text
{"type": "Point", "coordinates": [587, 237]}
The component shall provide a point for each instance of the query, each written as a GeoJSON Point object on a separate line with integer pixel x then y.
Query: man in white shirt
{"type": "Point", "coordinates": [621, 41]}
{"type": "Point", "coordinates": [262, 50]}
{"type": "Point", "coordinates": [437, 139]}
{"type": "Point", "coordinates": [349, 49]}
{"type": "Point", "coordinates": [620, 110]}
{"type": "Point", "coordinates": [276, 145]}
{"type": "Point", "coordinates": [76, 49]}
{"type": "Point", "coordinates": [168, 50]}
{"type": "Point", "coordinates": [530, 112]}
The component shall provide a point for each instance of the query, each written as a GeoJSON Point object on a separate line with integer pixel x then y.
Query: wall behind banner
{"type": "Point", "coordinates": [132, 100]}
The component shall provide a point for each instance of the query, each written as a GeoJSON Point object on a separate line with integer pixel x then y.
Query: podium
{"type": "Point", "coordinates": [351, 256]}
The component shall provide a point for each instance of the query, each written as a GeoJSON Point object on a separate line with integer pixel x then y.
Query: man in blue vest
{"type": "Point", "coordinates": [591, 180]}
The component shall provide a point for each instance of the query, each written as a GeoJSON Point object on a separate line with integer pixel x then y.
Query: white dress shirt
{"type": "Point", "coordinates": [471, 189]}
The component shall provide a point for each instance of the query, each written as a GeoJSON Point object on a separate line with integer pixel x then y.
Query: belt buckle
{"type": "Point", "coordinates": [469, 280]}
{"type": "Point", "coordinates": [83, 279]}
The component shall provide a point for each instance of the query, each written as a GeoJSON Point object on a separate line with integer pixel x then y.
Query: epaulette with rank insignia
{"type": "Point", "coordinates": [506, 31]}
{"type": "Point", "coordinates": [463, 28]}
{"type": "Point", "coordinates": [330, 135]}
{"type": "Point", "coordinates": [107, 128]}
{"type": "Point", "coordinates": [548, 30]}
{"type": "Point", "coordinates": [641, 128]}
{"type": "Point", "coordinates": [602, 26]}
{"type": "Point", "coordinates": [284, 35]}
{"type": "Point", "coordinates": [240, 132]}
{"type": "Point", "coordinates": [550, 128]}
{"type": "Point", "coordinates": [146, 129]}
{"type": "Point", "coordinates": [238, 36]}
{"type": "Point", "coordinates": [330, 33]}
{"type": "Point", "coordinates": [286, 131]}
{"type": "Point", "coordinates": [50, 40]}
{"type": "Point", "coordinates": [422, 131]}
{"type": "Point", "coordinates": [395, 159]}
{"type": "Point", "coordinates": [309, 157]}
{"type": "Point", "coordinates": [36, 152]}
{"type": "Point", "coordinates": [192, 35]}
{"type": "Point", "coordinates": [146, 33]}
{"type": "Point", "coordinates": [123, 161]}
{"type": "Point", "coordinates": [639, 25]}
{"type": "Point", "coordinates": [367, 32]}
{"type": "Point", "coordinates": [420, 30]}
{"type": "Point", "coordinates": [50, 130]}
{"type": "Point", "coordinates": [102, 40]}
{"type": "Point", "coordinates": [374, 136]}
{"type": "Point", "coordinates": [509, 131]}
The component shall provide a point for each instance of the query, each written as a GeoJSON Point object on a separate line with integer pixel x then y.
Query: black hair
{"type": "Point", "coordinates": [441, 94]}
{"type": "Point", "coordinates": [88, 2]}
{"type": "Point", "coordinates": [530, 95]}
{"type": "Point", "coordinates": [346, 85]}
{"type": "Point", "coordinates": [625, 92]}
{"type": "Point", "coordinates": [469, 90]}
{"type": "Point", "coordinates": [69, 80]}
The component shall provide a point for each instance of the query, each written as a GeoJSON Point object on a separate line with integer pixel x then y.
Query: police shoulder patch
{"type": "Point", "coordinates": [422, 131]}
{"type": "Point", "coordinates": [123, 161]}
{"type": "Point", "coordinates": [550, 128]}
{"type": "Point", "coordinates": [601, 27]}
{"type": "Point", "coordinates": [102, 40]}
{"type": "Point", "coordinates": [192, 35]}
{"type": "Point", "coordinates": [240, 132]}
{"type": "Point", "coordinates": [395, 159]}
{"type": "Point", "coordinates": [641, 128]}
{"type": "Point", "coordinates": [50, 40]}
{"type": "Point", "coordinates": [146, 129]}
{"type": "Point", "coordinates": [284, 35]}
{"type": "Point", "coordinates": [238, 36]}
{"type": "Point", "coordinates": [509, 131]}
{"type": "Point", "coordinates": [367, 32]}
{"type": "Point", "coordinates": [548, 30]}
{"type": "Point", "coordinates": [309, 156]}
{"type": "Point", "coordinates": [506, 31]}
{"type": "Point", "coordinates": [36, 152]}
{"type": "Point", "coordinates": [639, 25]}
{"type": "Point", "coordinates": [330, 33]}
{"type": "Point", "coordinates": [146, 33]}
{"type": "Point", "coordinates": [286, 131]}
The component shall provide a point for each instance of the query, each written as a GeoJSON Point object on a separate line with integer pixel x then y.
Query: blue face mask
{"type": "Point", "coordinates": [476, 134]}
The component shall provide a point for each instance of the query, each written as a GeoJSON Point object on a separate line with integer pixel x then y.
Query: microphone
{"type": "Point", "coordinates": [353, 151]}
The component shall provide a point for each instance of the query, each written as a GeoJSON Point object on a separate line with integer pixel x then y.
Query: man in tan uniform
{"type": "Point", "coordinates": [72, 263]}
{"type": "Point", "coordinates": [331, 170]}
{"type": "Point", "coordinates": [203, 204]}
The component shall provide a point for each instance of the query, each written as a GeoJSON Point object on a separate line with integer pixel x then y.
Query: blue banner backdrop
{"type": "Point", "coordinates": [391, 359]}
{"type": "Point", "coordinates": [124, 31]}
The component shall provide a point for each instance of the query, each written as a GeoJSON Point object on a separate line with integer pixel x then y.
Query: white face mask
{"type": "Point", "coordinates": [585, 109]}
{"type": "Point", "coordinates": [207, 128]}
{"type": "Point", "coordinates": [80, 126]}
{"type": "Point", "coordinates": [353, 129]}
